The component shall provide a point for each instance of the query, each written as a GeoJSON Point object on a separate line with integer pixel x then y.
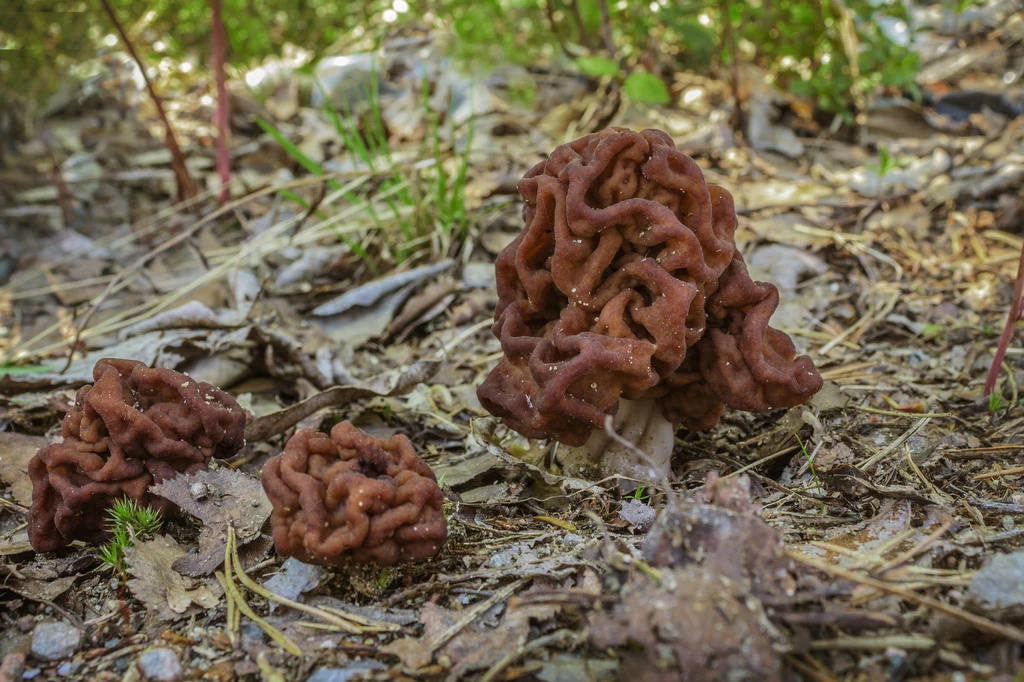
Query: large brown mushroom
{"type": "Point", "coordinates": [626, 285]}
{"type": "Point", "coordinates": [133, 427]}
{"type": "Point", "coordinates": [352, 498]}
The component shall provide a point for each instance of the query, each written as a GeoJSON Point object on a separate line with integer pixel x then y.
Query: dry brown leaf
{"type": "Point", "coordinates": [15, 451]}
{"type": "Point", "coordinates": [157, 585]}
{"type": "Point", "coordinates": [217, 497]}
{"type": "Point", "coordinates": [478, 645]}
{"type": "Point", "coordinates": [41, 590]}
{"type": "Point", "coordinates": [389, 384]}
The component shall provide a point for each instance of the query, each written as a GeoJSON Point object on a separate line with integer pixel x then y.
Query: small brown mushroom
{"type": "Point", "coordinates": [626, 285]}
{"type": "Point", "coordinates": [133, 427]}
{"type": "Point", "coordinates": [352, 498]}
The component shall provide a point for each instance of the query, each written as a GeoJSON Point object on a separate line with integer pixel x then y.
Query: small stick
{"type": "Point", "coordinates": [978, 622]}
{"type": "Point", "coordinates": [231, 617]}
{"type": "Point", "coordinates": [475, 612]}
{"type": "Point", "coordinates": [233, 592]}
{"type": "Point", "coordinates": [1001, 472]}
{"type": "Point", "coordinates": [335, 620]}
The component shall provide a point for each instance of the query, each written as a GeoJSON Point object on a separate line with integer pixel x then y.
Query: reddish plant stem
{"type": "Point", "coordinates": [1011, 323]}
{"type": "Point", "coordinates": [222, 116]}
{"type": "Point", "coordinates": [64, 199]}
{"type": "Point", "coordinates": [186, 189]}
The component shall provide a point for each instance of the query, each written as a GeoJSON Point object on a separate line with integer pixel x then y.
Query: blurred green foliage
{"type": "Point", "coordinates": [809, 46]}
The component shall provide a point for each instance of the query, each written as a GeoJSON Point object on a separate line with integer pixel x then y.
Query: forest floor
{"type": "Point", "coordinates": [892, 540]}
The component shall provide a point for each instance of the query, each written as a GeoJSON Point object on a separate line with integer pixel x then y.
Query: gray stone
{"type": "Point", "coordinates": [159, 665]}
{"type": "Point", "coordinates": [353, 671]}
{"type": "Point", "coordinates": [55, 641]}
{"type": "Point", "coordinates": [69, 668]}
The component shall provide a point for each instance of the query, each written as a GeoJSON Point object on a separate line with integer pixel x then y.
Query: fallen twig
{"type": "Point", "coordinates": [978, 622]}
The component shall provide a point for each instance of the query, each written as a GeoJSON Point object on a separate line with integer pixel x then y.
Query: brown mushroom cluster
{"type": "Point", "coordinates": [134, 426]}
{"type": "Point", "coordinates": [352, 498]}
{"type": "Point", "coordinates": [626, 283]}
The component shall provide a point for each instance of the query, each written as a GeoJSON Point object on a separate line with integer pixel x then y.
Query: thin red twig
{"type": "Point", "coordinates": [186, 189]}
{"type": "Point", "coordinates": [222, 116]}
{"type": "Point", "coordinates": [1011, 323]}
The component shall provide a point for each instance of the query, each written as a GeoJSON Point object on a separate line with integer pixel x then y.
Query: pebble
{"type": "Point", "coordinates": [69, 668]}
{"type": "Point", "coordinates": [11, 667]}
{"type": "Point", "coordinates": [159, 665]}
{"type": "Point", "coordinates": [55, 641]}
{"type": "Point", "coordinates": [356, 669]}
{"type": "Point", "coordinates": [26, 623]}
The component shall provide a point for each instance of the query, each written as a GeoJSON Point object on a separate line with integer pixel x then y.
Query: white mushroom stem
{"type": "Point", "coordinates": [646, 454]}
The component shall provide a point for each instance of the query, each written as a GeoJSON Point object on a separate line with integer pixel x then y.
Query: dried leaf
{"type": "Point", "coordinates": [16, 544]}
{"type": "Point", "coordinates": [423, 306]}
{"type": "Point", "coordinates": [371, 292]}
{"type": "Point", "coordinates": [998, 585]}
{"type": "Point", "coordinates": [41, 590]}
{"type": "Point", "coordinates": [388, 384]}
{"type": "Point", "coordinates": [145, 348]}
{"type": "Point", "coordinates": [295, 579]}
{"type": "Point", "coordinates": [15, 451]}
{"type": "Point", "coordinates": [191, 315]}
{"type": "Point", "coordinates": [217, 498]}
{"type": "Point", "coordinates": [157, 585]}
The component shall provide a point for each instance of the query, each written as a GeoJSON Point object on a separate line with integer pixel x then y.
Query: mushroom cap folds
{"type": "Point", "coordinates": [134, 426]}
{"type": "Point", "coordinates": [626, 282]}
{"type": "Point", "coordinates": [352, 498]}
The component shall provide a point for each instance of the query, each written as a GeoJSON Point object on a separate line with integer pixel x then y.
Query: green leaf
{"type": "Point", "coordinates": [644, 86]}
{"type": "Point", "coordinates": [932, 329]}
{"type": "Point", "coordinates": [13, 371]}
{"type": "Point", "coordinates": [597, 66]}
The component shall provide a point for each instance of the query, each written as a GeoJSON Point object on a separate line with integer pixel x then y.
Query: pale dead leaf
{"type": "Point", "coordinates": [413, 652]}
{"type": "Point", "coordinates": [369, 293]}
{"type": "Point", "coordinates": [388, 384]}
{"type": "Point", "coordinates": [16, 544]}
{"type": "Point", "coordinates": [477, 646]}
{"type": "Point", "coordinates": [217, 497]}
{"type": "Point", "coordinates": [295, 579]}
{"type": "Point", "coordinates": [15, 451]}
{"type": "Point", "coordinates": [41, 590]}
{"type": "Point", "coordinates": [157, 585]}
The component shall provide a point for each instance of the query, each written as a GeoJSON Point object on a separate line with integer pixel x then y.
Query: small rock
{"type": "Point", "coordinates": [159, 665]}
{"type": "Point", "coordinates": [30, 674]}
{"type": "Point", "coordinates": [354, 670]}
{"type": "Point", "coordinates": [26, 623]}
{"type": "Point", "coordinates": [69, 668]}
{"type": "Point", "coordinates": [11, 667]}
{"type": "Point", "coordinates": [252, 635]}
{"type": "Point", "coordinates": [55, 641]}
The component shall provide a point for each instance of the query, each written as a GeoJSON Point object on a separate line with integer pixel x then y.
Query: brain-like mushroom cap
{"type": "Point", "coordinates": [353, 498]}
{"type": "Point", "coordinates": [626, 283]}
{"type": "Point", "coordinates": [133, 427]}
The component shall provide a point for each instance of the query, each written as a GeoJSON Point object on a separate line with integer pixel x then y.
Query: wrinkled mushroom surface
{"type": "Point", "coordinates": [626, 283]}
{"type": "Point", "coordinates": [132, 427]}
{"type": "Point", "coordinates": [352, 498]}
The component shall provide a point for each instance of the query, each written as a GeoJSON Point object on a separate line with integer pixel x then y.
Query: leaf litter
{"type": "Point", "coordinates": [876, 530]}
